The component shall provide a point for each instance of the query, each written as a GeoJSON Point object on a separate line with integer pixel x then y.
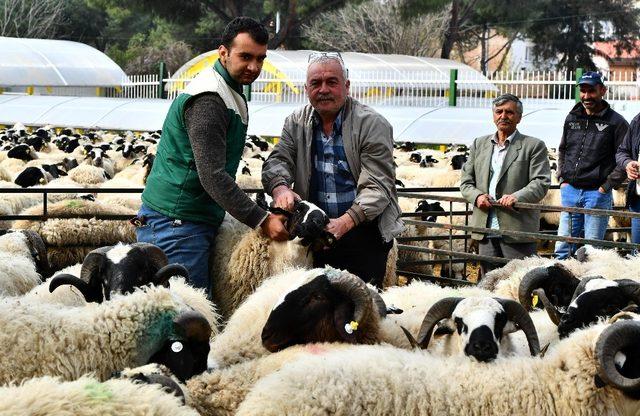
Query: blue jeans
{"type": "Point", "coordinates": [582, 225]}
{"type": "Point", "coordinates": [184, 242]}
{"type": "Point", "coordinates": [635, 222]}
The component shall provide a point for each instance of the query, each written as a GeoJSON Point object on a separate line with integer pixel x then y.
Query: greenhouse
{"type": "Point", "coordinates": [55, 67]}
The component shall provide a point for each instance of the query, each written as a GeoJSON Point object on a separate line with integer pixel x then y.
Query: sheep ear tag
{"type": "Point", "coordinates": [176, 346]}
{"type": "Point", "coordinates": [534, 301]}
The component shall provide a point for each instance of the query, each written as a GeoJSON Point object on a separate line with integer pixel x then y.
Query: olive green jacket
{"type": "Point", "coordinates": [525, 174]}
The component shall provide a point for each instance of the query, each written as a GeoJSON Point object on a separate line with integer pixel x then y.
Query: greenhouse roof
{"type": "Point", "coordinates": [55, 63]}
{"type": "Point", "coordinates": [417, 124]}
{"type": "Point", "coordinates": [363, 67]}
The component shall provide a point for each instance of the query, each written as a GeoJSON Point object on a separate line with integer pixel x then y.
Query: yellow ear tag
{"type": "Point", "coordinates": [350, 327]}
{"type": "Point", "coordinates": [41, 180]}
{"type": "Point", "coordinates": [84, 152]}
{"type": "Point", "coordinates": [534, 300]}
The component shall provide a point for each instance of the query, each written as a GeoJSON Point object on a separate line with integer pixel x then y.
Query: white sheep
{"type": "Point", "coordinates": [359, 380]}
{"type": "Point", "coordinates": [46, 339]}
{"type": "Point", "coordinates": [23, 262]}
{"type": "Point", "coordinates": [88, 396]}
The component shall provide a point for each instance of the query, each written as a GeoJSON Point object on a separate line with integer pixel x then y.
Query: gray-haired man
{"type": "Point", "coordinates": [504, 168]}
{"type": "Point", "coordinates": [338, 154]}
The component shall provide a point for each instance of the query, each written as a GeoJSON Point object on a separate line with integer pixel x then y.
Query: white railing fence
{"type": "Point", "coordinates": [418, 88]}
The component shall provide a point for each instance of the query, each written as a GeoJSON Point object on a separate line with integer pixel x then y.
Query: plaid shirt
{"type": "Point", "coordinates": [332, 183]}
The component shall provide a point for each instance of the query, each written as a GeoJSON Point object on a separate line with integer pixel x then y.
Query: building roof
{"type": "Point", "coordinates": [55, 63]}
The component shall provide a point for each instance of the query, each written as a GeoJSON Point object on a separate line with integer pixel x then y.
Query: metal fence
{"type": "Point", "coordinates": [412, 88]}
{"type": "Point", "coordinates": [446, 256]}
{"type": "Point", "coordinates": [451, 255]}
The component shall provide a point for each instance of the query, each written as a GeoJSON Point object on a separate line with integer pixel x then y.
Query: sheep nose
{"type": "Point", "coordinates": [483, 351]}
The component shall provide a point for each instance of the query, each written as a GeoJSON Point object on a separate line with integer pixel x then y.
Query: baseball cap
{"type": "Point", "coordinates": [591, 78]}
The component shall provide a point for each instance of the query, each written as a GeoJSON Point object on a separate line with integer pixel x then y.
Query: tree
{"type": "Point", "coordinates": [29, 18]}
{"type": "Point", "coordinates": [473, 22]}
{"type": "Point", "coordinates": [566, 30]}
{"type": "Point", "coordinates": [375, 27]}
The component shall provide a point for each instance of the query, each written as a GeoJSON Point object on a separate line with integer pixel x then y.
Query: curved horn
{"type": "Point", "coordinates": [440, 310]}
{"type": "Point", "coordinates": [582, 285]}
{"type": "Point", "coordinates": [541, 277]}
{"type": "Point", "coordinates": [162, 276]}
{"type": "Point", "coordinates": [353, 288]}
{"type": "Point", "coordinates": [154, 254]}
{"type": "Point", "coordinates": [90, 292]}
{"type": "Point", "coordinates": [39, 252]}
{"type": "Point", "coordinates": [614, 338]}
{"type": "Point", "coordinates": [192, 325]}
{"type": "Point", "coordinates": [552, 311]}
{"type": "Point", "coordinates": [519, 316]}
{"type": "Point", "coordinates": [93, 262]}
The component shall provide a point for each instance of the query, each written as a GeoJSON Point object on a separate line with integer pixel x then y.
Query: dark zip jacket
{"type": "Point", "coordinates": [586, 156]}
{"type": "Point", "coordinates": [628, 152]}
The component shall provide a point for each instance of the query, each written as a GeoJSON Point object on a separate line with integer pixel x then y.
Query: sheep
{"type": "Point", "coordinates": [88, 396]}
{"type": "Point", "coordinates": [416, 300]}
{"type": "Point", "coordinates": [23, 262]}
{"type": "Point", "coordinates": [241, 339]}
{"type": "Point", "coordinates": [256, 257]}
{"type": "Point", "coordinates": [593, 298]}
{"type": "Point", "coordinates": [151, 324]}
{"type": "Point", "coordinates": [482, 324]}
{"type": "Point", "coordinates": [581, 376]}
{"type": "Point", "coordinates": [120, 269]}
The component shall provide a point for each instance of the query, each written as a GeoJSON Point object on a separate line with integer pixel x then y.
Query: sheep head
{"type": "Point", "coordinates": [597, 297]}
{"type": "Point", "coordinates": [557, 282]}
{"type": "Point", "coordinates": [120, 269]}
{"type": "Point", "coordinates": [38, 252]}
{"type": "Point", "coordinates": [186, 350]}
{"type": "Point", "coordinates": [308, 223]}
{"type": "Point", "coordinates": [480, 323]}
{"type": "Point", "coordinates": [336, 306]}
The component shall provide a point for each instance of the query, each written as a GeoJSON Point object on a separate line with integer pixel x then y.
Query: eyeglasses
{"type": "Point", "coordinates": [318, 55]}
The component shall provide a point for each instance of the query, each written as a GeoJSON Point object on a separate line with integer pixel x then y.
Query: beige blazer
{"type": "Point", "coordinates": [525, 174]}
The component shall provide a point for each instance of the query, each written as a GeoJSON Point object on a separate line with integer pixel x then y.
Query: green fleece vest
{"type": "Point", "coordinates": [173, 187]}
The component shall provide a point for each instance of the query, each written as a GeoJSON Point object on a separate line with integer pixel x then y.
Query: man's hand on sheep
{"type": "Point", "coordinates": [507, 201]}
{"type": "Point", "coordinates": [284, 197]}
{"type": "Point", "coordinates": [340, 226]}
{"type": "Point", "coordinates": [484, 201]}
{"type": "Point", "coordinates": [273, 227]}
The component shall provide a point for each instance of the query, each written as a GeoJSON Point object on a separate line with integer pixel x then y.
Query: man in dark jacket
{"type": "Point", "coordinates": [192, 182]}
{"type": "Point", "coordinates": [586, 162]}
{"type": "Point", "coordinates": [627, 158]}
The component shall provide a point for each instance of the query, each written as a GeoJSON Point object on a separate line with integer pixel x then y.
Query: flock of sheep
{"type": "Point", "coordinates": [94, 323]}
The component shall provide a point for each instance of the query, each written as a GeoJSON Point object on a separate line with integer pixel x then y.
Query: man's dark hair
{"type": "Point", "coordinates": [244, 24]}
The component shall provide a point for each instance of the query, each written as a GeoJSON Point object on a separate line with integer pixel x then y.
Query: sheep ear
{"type": "Point", "coordinates": [162, 276]}
{"type": "Point", "coordinates": [444, 327]}
{"type": "Point", "coordinates": [192, 325]}
{"type": "Point", "coordinates": [342, 316]}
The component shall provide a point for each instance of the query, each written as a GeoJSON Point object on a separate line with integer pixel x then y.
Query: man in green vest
{"type": "Point", "coordinates": [192, 182]}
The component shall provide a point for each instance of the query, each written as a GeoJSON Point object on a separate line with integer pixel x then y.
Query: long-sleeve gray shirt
{"type": "Point", "coordinates": [206, 120]}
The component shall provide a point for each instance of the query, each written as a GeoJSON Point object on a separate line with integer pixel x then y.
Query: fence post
{"type": "Point", "coordinates": [453, 87]}
{"type": "Point", "coordinates": [579, 72]}
{"type": "Point", "coordinates": [162, 73]}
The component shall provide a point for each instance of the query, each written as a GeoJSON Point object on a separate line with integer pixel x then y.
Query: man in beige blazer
{"type": "Point", "coordinates": [504, 168]}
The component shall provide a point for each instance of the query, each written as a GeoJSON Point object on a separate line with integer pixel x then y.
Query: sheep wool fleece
{"type": "Point", "coordinates": [173, 187]}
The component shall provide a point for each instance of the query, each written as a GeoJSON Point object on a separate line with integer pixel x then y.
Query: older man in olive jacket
{"type": "Point", "coordinates": [502, 169]}
{"type": "Point", "coordinates": [338, 154]}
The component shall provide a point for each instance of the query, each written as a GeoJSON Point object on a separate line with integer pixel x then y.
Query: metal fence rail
{"type": "Point", "coordinates": [422, 88]}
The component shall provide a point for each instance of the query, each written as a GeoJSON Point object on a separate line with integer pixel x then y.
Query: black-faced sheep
{"type": "Point", "coordinates": [120, 269]}
{"type": "Point", "coordinates": [151, 324]}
